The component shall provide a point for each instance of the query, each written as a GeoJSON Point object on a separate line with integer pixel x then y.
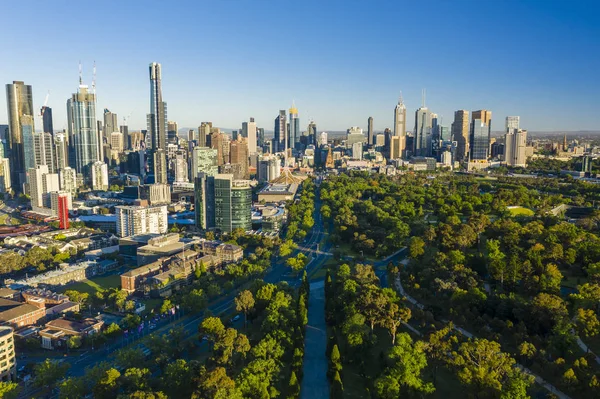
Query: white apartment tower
{"type": "Point", "coordinates": [134, 220]}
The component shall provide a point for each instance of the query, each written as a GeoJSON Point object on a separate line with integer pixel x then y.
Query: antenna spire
{"type": "Point", "coordinates": [80, 74]}
{"type": "Point", "coordinates": [94, 79]}
{"type": "Point", "coordinates": [400, 100]}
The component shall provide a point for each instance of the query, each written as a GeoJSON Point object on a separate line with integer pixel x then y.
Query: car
{"type": "Point", "coordinates": [236, 318]}
{"type": "Point", "coordinates": [152, 326]}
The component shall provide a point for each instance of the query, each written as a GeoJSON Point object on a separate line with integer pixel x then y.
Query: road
{"type": "Point", "coordinates": [278, 272]}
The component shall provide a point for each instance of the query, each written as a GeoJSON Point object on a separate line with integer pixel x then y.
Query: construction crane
{"type": "Point", "coordinates": [45, 105]}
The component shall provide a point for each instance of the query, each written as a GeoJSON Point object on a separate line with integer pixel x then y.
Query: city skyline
{"type": "Point", "coordinates": [334, 93]}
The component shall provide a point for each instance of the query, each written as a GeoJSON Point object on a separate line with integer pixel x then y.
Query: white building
{"type": "Point", "coordinates": [323, 138]}
{"type": "Point", "coordinates": [181, 168]}
{"type": "Point", "coordinates": [116, 141]}
{"type": "Point", "coordinates": [134, 220]}
{"type": "Point", "coordinates": [99, 176]}
{"type": "Point", "coordinates": [515, 147]}
{"type": "Point", "coordinates": [5, 183]}
{"type": "Point", "coordinates": [54, 201]}
{"type": "Point", "coordinates": [68, 181]}
{"type": "Point", "coordinates": [249, 131]}
{"type": "Point", "coordinates": [41, 183]}
{"type": "Point", "coordinates": [357, 151]}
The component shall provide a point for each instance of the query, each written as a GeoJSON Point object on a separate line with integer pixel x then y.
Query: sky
{"type": "Point", "coordinates": [338, 61]}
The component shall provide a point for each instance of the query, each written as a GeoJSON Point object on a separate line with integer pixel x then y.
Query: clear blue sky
{"type": "Point", "coordinates": [341, 61]}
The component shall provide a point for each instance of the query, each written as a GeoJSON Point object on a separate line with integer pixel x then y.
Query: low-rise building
{"type": "Point", "coordinates": [18, 314]}
{"type": "Point", "coordinates": [131, 280]}
{"type": "Point", "coordinates": [58, 331]}
{"type": "Point", "coordinates": [277, 192]}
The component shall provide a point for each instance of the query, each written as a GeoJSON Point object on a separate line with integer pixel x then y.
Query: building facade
{"type": "Point", "coordinates": [83, 133]}
{"type": "Point", "coordinates": [134, 220]}
{"type": "Point", "coordinates": [460, 133]}
{"type": "Point", "coordinates": [19, 98]}
{"type": "Point", "coordinates": [481, 129]}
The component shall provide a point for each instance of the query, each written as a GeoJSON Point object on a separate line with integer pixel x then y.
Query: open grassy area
{"type": "Point", "coordinates": [95, 284]}
{"type": "Point", "coordinates": [520, 211]}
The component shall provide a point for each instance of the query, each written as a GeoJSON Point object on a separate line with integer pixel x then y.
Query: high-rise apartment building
{"type": "Point", "coordinates": [47, 124]}
{"type": "Point", "coordinates": [460, 133]}
{"type": "Point", "coordinates": [294, 133]}
{"type": "Point", "coordinates": [61, 203]}
{"type": "Point", "coordinates": [83, 134]}
{"type": "Point", "coordinates": [220, 142]}
{"type": "Point", "coordinates": [233, 204]}
{"type": "Point", "coordinates": [99, 176]}
{"type": "Point", "coordinates": [204, 160]}
{"type": "Point", "coordinates": [323, 138]}
{"type": "Point", "coordinates": [8, 366]}
{"type": "Point", "coordinates": [111, 125]}
{"type": "Point", "coordinates": [156, 194]}
{"type": "Point", "coordinates": [370, 132]}
{"type": "Point", "coordinates": [481, 129]}
{"type": "Point", "coordinates": [116, 141]}
{"type": "Point", "coordinates": [157, 126]}
{"type": "Point", "coordinates": [180, 168]}
{"type": "Point", "coordinates": [512, 123]}
{"type": "Point", "coordinates": [203, 133]}
{"type": "Point", "coordinates": [19, 98]}
{"type": "Point", "coordinates": [41, 183]}
{"type": "Point", "coordinates": [43, 151]}
{"type": "Point", "coordinates": [239, 155]}
{"type": "Point", "coordinates": [312, 132]}
{"type": "Point", "coordinates": [515, 147]}
{"type": "Point", "coordinates": [134, 220]}
{"type": "Point", "coordinates": [172, 132]}
{"type": "Point", "coordinates": [400, 126]}
{"type": "Point", "coordinates": [61, 151]}
{"type": "Point", "coordinates": [280, 132]}
{"type": "Point", "coordinates": [269, 168]}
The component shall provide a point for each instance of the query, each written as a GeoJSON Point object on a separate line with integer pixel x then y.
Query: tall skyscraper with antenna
{"type": "Point", "coordinates": [157, 127]}
{"type": "Point", "coordinates": [423, 127]}
{"type": "Point", "coordinates": [19, 98]}
{"type": "Point", "coordinates": [400, 126]}
{"type": "Point", "coordinates": [82, 128]}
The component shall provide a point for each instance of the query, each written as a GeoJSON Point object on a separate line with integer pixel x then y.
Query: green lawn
{"type": "Point", "coordinates": [521, 211]}
{"type": "Point", "coordinates": [95, 284]}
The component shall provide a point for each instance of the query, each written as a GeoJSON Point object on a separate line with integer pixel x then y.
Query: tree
{"type": "Point", "coordinates": [72, 388]}
{"type": "Point", "coordinates": [130, 357]}
{"type": "Point", "coordinates": [416, 247]}
{"type": "Point", "coordinates": [112, 330]}
{"type": "Point", "coordinates": [216, 383]}
{"type": "Point", "coordinates": [48, 372]}
{"type": "Point", "coordinates": [177, 379]}
{"type": "Point", "coordinates": [484, 367]}
{"type": "Point", "coordinates": [337, 388]}
{"type": "Point", "coordinates": [108, 384]}
{"type": "Point", "coordinates": [9, 390]}
{"type": "Point", "coordinates": [496, 261]}
{"type": "Point", "coordinates": [372, 305]}
{"type": "Point", "coordinates": [244, 302]}
{"type": "Point", "coordinates": [144, 395]}
{"type": "Point", "coordinates": [166, 306]}
{"type": "Point", "coordinates": [587, 323]}
{"type": "Point", "coordinates": [293, 386]}
{"type": "Point", "coordinates": [439, 345]}
{"type": "Point", "coordinates": [195, 300]}
{"type": "Point", "coordinates": [393, 316]}
{"type": "Point", "coordinates": [74, 342]}
{"type": "Point", "coordinates": [136, 379]}
{"type": "Point", "coordinates": [406, 363]}
{"type": "Point", "coordinates": [212, 328]}
{"type": "Point", "coordinates": [131, 321]}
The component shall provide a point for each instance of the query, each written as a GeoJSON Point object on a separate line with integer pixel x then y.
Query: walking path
{"type": "Point", "coordinates": [314, 383]}
{"type": "Point", "coordinates": [539, 380]}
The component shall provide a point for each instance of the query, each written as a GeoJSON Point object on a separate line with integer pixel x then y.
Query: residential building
{"type": "Point", "coordinates": [156, 194]}
{"type": "Point", "coordinates": [460, 133]}
{"type": "Point", "coordinates": [134, 220]}
{"type": "Point", "coordinates": [180, 168]}
{"type": "Point", "coordinates": [203, 133]}
{"type": "Point", "coordinates": [515, 147]}
{"type": "Point", "coordinates": [294, 128]}
{"type": "Point", "coordinates": [19, 98]}
{"type": "Point", "coordinates": [239, 155]}
{"type": "Point", "coordinates": [61, 151]}
{"type": "Point", "coordinates": [481, 129]}
{"type": "Point", "coordinates": [370, 132]}
{"type": "Point", "coordinates": [512, 123]}
{"type": "Point", "coordinates": [116, 141]}
{"type": "Point", "coordinates": [61, 203]}
{"type": "Point", "coordinates": [43, 150]}
{"type": "Point", "coordinates": [323, 138]}
{"type": "Point", "coordinates": [99, 176]}
{"type": "Point", "coordinates": [233, 204]}
{"type": "Point", "coordinates": [269, 168]}
{"type": "Point", "coordinates": [8, 364]}
{"type": "Point", "coordinates": [172, 132]}
{"type": "Point", "coordinates": [249, 132]}
{"type": "Point", "coordinates": [396, 147]}
{"type": "Point", "coordinates": [357, 151]}
{"type": "Point", "coordinates": [204, 160]}
{"type": "Point", "coordinates": [68, 181]}
{"type": "Point", "coordinates": [83, 133]}
{"type": "Point", "coordinates": [157, 126]}
{"type": "Point", "coordinates": [41, 183]}
{"type": "Point", "coordinates": [111, 125]}
{"type": "Point", "coordinates": [280, 132]}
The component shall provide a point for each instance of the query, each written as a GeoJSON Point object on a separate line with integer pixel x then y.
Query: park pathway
{"type": "Point", "coordinates": [314, 383]}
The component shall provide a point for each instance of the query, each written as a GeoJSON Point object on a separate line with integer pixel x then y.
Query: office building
{"type": "Point", "coordinates": [203, 133]}
{"type": "Point", "coordinates": [294, 133]}
{"type": "Point", "coordinates": [354, 135]}
{"type": "Point", "coordinates": [47, 124]}
{"type": "Point", "coordinates": [395, 147]}
{"type": "Point", "coordinates": [249, 132]}
{"type": "Point", "coordinates": [116, 142]}
{"type": "Point", "coordinates": [134, 220]}
{"type": "Point", "coordinates": [400, 126]}
{"type": "Point", "coordinates": [157, 126]}
{"type": "Point", "coordinates": [357, 151]}
{"type": "Point", "coordinates": [370, 132]}
{"type": "Point", "coordinates": [312, 133]}
{"type": "Point", "coordinates": [60, 204]}
{"type": "Point", "coordinates": [260, 136]}
{"type": "Point", "coordinates": [512, 123]}
{"type": "Point", "coordinates": [5, 182]}
{"type": "Point", "coordinates": [423, 130]}
{"type": "Point", "coordinates": [204, 160]}
{"type": "Point", "coordinates": [111, 125]}
{"type": "Point", "coordinates": [68, 181]}
{"type": "Point", "coordinates": [8, 365]}
{"type": "Point", "coordinates": [156, 194]}
{"type": "Point", "coordinates": [323, 138]}
{"type": "Point", "coordinates": [83, 134]}
{"type": "Point", "coordinates": [239, 156]}
{"type": "Point", "coordinates": [460, 133]}
{"type": "Point", "coordinates": [515, 147]}
{"type": "Point", "coordinates": [19, 98]}
{"type": "Point", "coordinates": [180, 168]}
{"type": "Point", "coordinates": [172, 132]}
{"type": "Point", "coordinates": [481, 129]}
{"type": "Point", "coordinates": [233, 203]}
{"type": "Point", "coordinates": [280, 132]}
{"type": "Point", "coordinates": [99, 176]}
{"type": "Point", "coordinates": [269, 168]}
{"type": "Point", "coordinates": [204, 201]}
{"type": "Point", "coordinates": [220, 142]}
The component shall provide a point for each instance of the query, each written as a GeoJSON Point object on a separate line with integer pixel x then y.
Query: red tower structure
{"type": "Point", "coordinates": [63, 211]}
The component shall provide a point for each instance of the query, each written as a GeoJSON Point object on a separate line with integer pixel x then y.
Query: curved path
{"type": "Point", "coordinates": [539, 380]}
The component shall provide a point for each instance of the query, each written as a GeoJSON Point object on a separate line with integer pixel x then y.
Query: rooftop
{"type": "Point", "coordinates": [10, 310]}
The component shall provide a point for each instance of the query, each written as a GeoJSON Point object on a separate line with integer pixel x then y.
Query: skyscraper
{"type": "Point", "coordinates": [370, 133]}
{"type": "Point", "coordinates": [512, 122]}
{"type": "Point", "coordinates": [61, 151]}
{"type": "Point", "coordinates": [157, 126]}
{"type": "Point", "coordinates": [423, 127]}
{"type": "Point", "coordinates": [249, 132]}
{"type": "Point", "coordinates": [312, 133]}
{"type": "Point", "coordinates": [233, 203]}
{"type": "Point", "coordinates": [481, 129]}
{"type": "Point", "coordinates": [203, 133]}
{"type": "Point", "coordinates": [172, 132]}
{"type": "Point", "coordinates": [294, 133]}
{"type": "Point", "coordinates": [280, 132]}
{"type": "Point", "coordinates": [99, 176]}
{"type": "Point", "coordinates": [204, 160]}
{"type": "Point", "coordinates": [81, 121]}
{"type": "Point", "coordinates": [19, 98]}
{"type": "Point", "coordinates": [239, 155]}
{"type": "Point", "coordinates": [111, 125]}
{"type": "Point", "coordinates": [460, 133]}
{"type": "Point", "coordinates": [515, 143]}
{"type": "Point", "coordinates": [60, 204]}
{"type": "Point", "coordinates": [5, 183]}
{"type": "Point", "coordinates": [400, 125]}
{"type": "Point", "coordinates": [43, 151]}
{"type": "Point", "coordinates": [134, 220]}
{"type": "Point", "coordinates": [47, 120]}
{"type": "Point", "coordinates": [204, 201]}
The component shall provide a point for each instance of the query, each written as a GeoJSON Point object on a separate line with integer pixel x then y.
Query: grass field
{"type": "Point", "coordinates": [95, 284]}
{"type": "Point", "coordinates": [520, 211]}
